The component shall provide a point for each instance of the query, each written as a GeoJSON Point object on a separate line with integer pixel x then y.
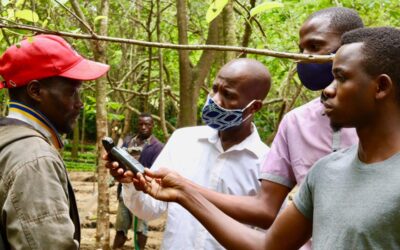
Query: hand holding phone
{"type": "Point", "coordinates": [125, 160]}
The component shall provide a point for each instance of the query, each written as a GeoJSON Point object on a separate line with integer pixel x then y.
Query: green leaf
{"type": "Point", "coordinates": [114, 105]}
{"type": "Point", "coordinates": [98, 18]}
{"type": "Point", "coordinates": [215, 9]}
{"type": "Point", "coordinates": [264, 7]}
{"type": "Point", "coordinates": [19, 3]}
{"type": "Point", "coordinates": [10, 14]}
{"type": "Point", "coordinates": [45, 22]}
{"type": "Point", "coordinates": [1, 38]}
{"type": "Point", "coordinates": [27, 15]}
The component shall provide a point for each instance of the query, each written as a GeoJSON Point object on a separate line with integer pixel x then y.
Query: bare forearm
{"type": "Point", "coordinates": [246, 209]}
{"type": "Point", "coordinates": [259, 210]}
{"type": "Point", "coordinates": [228, 232]}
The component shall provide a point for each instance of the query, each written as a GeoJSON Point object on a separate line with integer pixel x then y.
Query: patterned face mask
{"type": "Point", "coordinates": [220, 118]}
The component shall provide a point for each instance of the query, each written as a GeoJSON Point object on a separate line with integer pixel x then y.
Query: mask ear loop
{"type": "Point", "coordinates": [250, 115]}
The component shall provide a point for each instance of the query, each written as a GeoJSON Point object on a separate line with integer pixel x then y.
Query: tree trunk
{"type": "Point", "coordinates": [99, 52]}
{"type": "Point", "coordinates": [187, 111]}
{"type": "Point", "coordinates": [103, 216]}
{"type": "Point", "coordinates": [161, 105]}
{"type": "Point", "coordinates": [75, 142]}
{"type": "Point", "coordinates": [190, 79]}
{"type": "Point", "coordinates": [248, 29]}
{"type": "Point", "coordinates": [145, 99]}
{"type": "Point", "coordinates": [83, 128]}
{"type": "Point", "coordinates": [229, 30]}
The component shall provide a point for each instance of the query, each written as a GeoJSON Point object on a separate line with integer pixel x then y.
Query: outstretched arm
{"type": "Point", "coordinates": [259, 210]}
{"type": "Point", "coordinates": [290, 231]}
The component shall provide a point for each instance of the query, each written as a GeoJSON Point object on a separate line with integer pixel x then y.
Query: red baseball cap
{"type": "Point", "coordinates": [44, 56]}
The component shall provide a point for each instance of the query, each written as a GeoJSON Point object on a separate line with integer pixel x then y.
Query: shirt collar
{"type": "Point", "coordinates": [37, 120]}
{"type": "Point", "coordinates": [145, 141]}
{"type": "Point", "coordinates": [251, 143]}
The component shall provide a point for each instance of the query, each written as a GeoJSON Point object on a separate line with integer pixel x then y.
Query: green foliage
{"type": "Point", "coordinates": [264, 7]}
{"type": "Point", "coordinates": [27, 15]}
{"type": "Point", "coordinates": [79, 166]}
{"type": "Point", "coordinates": [215, 9]}
{"type": "Point", "coordinates": [85, 162]}
{"type": "Point", "coordinates": [272, 28]}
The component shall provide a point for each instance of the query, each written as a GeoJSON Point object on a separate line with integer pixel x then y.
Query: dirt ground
{"type": "Point", "coordinates": [86, 196]}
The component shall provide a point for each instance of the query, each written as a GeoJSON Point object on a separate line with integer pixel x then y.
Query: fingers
{"type": "Point", "coordinates": [109, 163]}
{"type": "Point", "coordinates": [139, 182]}
{"type": "Point", "coordinates": [160, 173]}
{"type": "Point", "coordinates": [117, 171]}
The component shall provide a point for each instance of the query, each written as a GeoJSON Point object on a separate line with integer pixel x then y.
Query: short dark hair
{"type": "Point", "coordinates": [145, 114]}
{"type": "Point", "coordinates": [381, 50]}
{"type": "Point", "coordinates": [341, 19]}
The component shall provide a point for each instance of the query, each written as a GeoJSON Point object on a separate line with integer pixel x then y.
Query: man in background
{"type": "Point", "coordinates": [145, 148]}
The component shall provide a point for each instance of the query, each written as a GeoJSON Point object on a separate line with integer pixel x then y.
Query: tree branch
{"type": "Point", "coordinates": [155, 90]}
{"type": "Point", "coordinates": [84, 23]}
{"type": "Point", "coordinates": [266, 52]}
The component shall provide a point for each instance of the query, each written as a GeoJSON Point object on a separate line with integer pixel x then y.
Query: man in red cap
{"type": "Point", "coordinates": [43, 75]}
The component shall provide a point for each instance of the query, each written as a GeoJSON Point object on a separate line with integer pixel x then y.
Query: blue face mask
{"type": "Point", "coordinates": [315, 76]}
{"type": "Point", "coordinates": [220, 118]}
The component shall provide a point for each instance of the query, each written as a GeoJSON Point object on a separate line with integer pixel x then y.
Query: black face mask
{"type": "Point", "coordinates": [315, 76]}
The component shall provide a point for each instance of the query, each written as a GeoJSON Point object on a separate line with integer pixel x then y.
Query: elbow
{"type": "Point", "coordinates": [266, 219]}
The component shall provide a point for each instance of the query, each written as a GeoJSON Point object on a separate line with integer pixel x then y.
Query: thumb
{"type": "Point", "coordinates": [159, 174]}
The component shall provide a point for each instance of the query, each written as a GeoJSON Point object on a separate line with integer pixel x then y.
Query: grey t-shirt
{"type": "Point", "coordinates": [353, 205]}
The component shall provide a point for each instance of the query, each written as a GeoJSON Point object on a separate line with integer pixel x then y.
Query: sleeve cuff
{"type": "Point", "coordinates": [277, 179]}
{"type": "Point", "coordinates": [301, 207]}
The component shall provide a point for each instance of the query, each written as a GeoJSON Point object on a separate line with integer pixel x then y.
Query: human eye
{"type": "Point", "coordinates": [340, 78]}
{"type": "Point", "coordinates": [315, 47]}
{"type": "Point", "coordinates": [214, 88]}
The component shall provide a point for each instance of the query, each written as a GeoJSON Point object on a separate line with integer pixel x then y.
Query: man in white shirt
{"type": "Point", "coordinates": [224, 156]}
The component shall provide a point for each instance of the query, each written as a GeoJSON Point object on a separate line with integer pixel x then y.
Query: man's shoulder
{"type": "Point", "coordinates": [20, 145]}
{"type": "Point", "coordinates": [12, 133]}
{"type": "Point", "coordinates": [335, 160]}
{"type": "Point", "coordinates": [309, 113]}
{"type": "Point", "coordinates": [155, 141]}
{"type": "Point", "coordinates": [311, 107]}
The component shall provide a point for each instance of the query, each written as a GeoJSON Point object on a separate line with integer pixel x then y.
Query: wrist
{"type": "Point", "coordinates": [185, 192]}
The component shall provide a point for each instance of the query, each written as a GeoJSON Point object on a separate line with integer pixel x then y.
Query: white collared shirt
{"type": "Point", "coordinates": [197, 154]}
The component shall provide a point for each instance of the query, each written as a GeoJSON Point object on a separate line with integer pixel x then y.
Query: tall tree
{"type": "Point", "coordinates": [229, 29]}
{"type": "Point", "coordinates": [192, 78]}
{"type": "Point", "coordinates": [99, 52]}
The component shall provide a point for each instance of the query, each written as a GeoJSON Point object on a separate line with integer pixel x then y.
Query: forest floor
{"type": "Point", "coordinates": [86, 196]}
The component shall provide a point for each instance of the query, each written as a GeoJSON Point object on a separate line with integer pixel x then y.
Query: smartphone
{"type": "Point", "coordinates": [125, 160]}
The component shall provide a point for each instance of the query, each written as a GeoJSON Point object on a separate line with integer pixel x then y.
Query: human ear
{"type": "Point", "coordinates": [34, 90]}
{"type": "Point", "coordinates": [384, 86]}
{"type": "Point", "coordinates": [255, 106]}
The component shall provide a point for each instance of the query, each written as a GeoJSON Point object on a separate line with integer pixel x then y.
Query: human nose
{"type": "Point", "coordinates": [216, 97]}
{"type": "Point", "coordinates": [329, 91]}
